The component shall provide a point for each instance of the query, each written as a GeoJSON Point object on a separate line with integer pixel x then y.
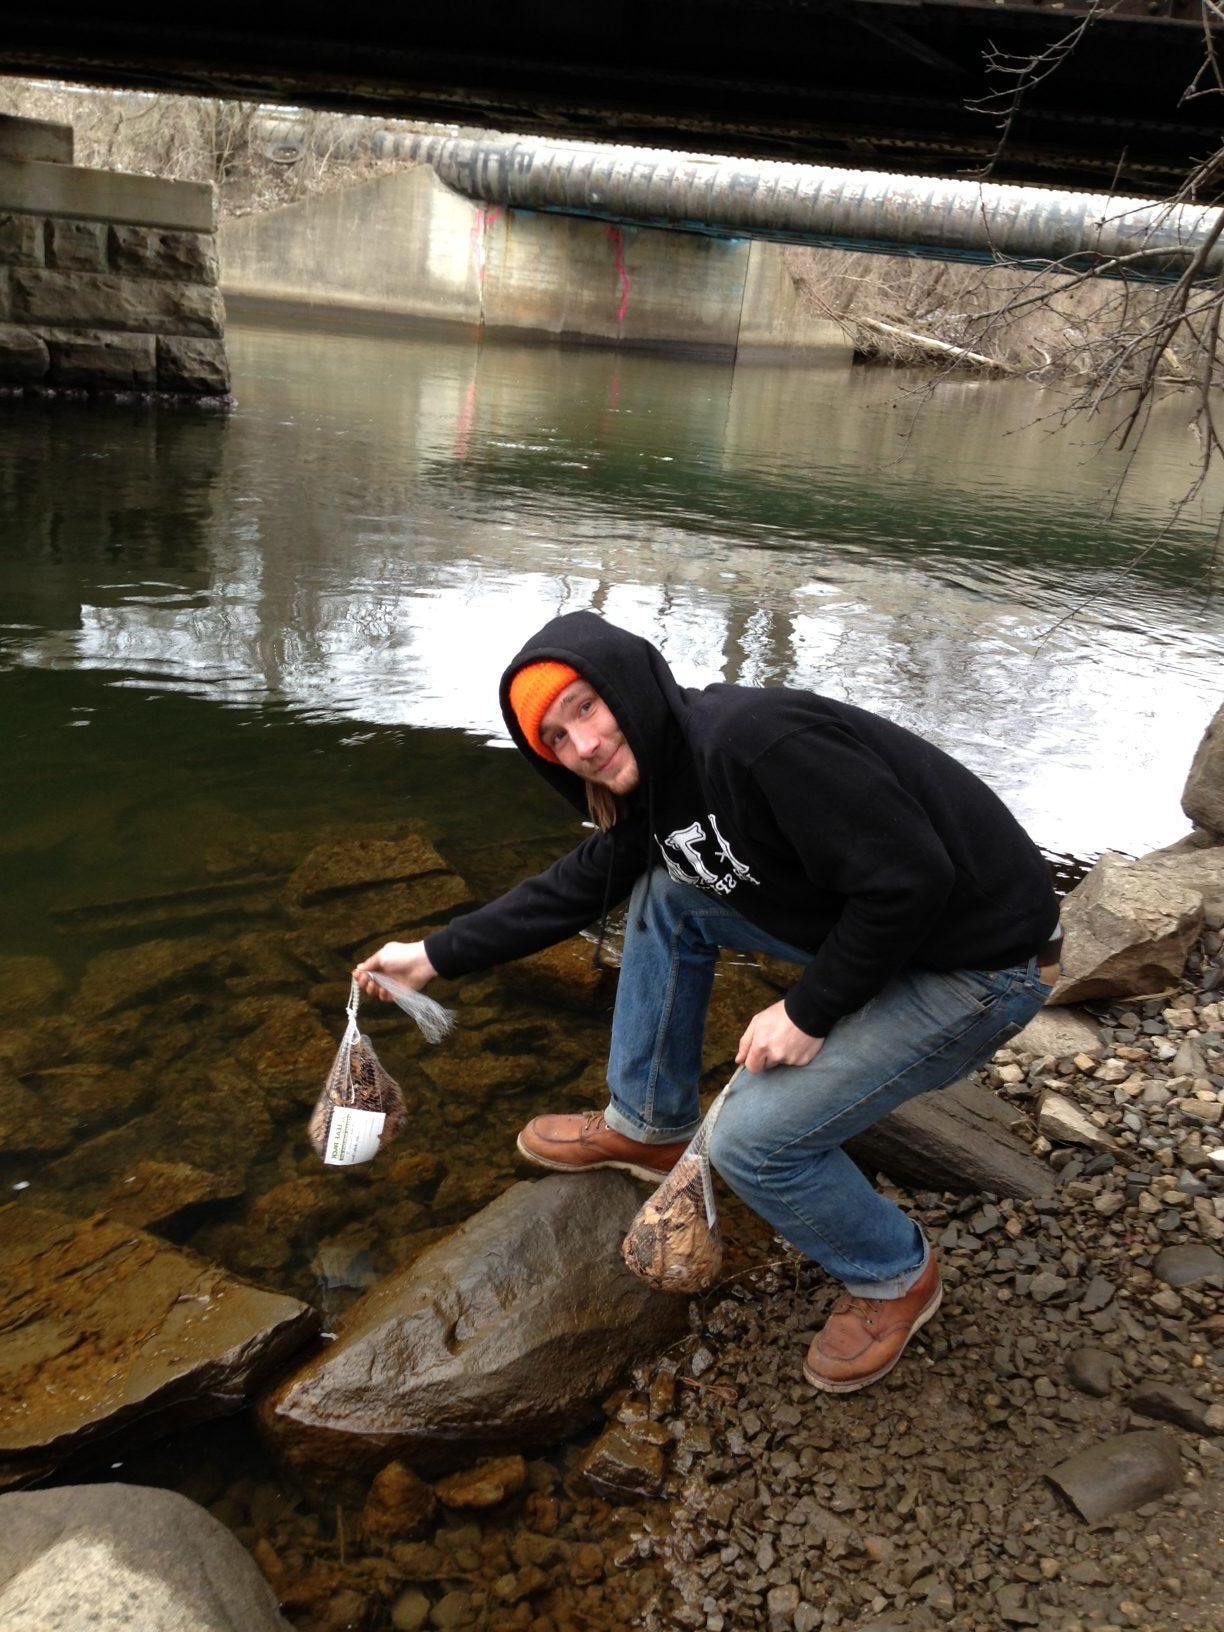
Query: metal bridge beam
{"type": "Point", "coordinates": [871, 84]}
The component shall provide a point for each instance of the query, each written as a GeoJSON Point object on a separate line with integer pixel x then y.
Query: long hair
{"type": "Point", "coordinates": [604, 807]}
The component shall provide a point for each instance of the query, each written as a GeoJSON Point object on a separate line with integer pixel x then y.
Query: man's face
{"type": "Point", "coordinates": [582, 732]}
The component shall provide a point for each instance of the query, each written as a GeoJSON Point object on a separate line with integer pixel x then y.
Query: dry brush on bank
{"type": "Point", "coordinates": [196, 138]}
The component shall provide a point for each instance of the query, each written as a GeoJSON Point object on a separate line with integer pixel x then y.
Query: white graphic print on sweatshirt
{"type": "Point", "coordinates": [684, 841]}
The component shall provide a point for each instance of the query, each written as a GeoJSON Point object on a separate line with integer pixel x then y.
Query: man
{"type": "Point", "coordinates": [768, 820]}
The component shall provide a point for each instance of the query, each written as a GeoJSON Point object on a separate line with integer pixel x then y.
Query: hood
{"type": "Point", "coordinates": [629, 674]}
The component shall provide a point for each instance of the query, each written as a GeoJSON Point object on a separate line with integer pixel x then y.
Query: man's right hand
{"type": "Point", "coordinates": [404, 960]}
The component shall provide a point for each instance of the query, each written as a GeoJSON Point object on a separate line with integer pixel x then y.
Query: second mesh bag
{"type": "Point", "coordinates": [674, 1243]}
{"type": "Point", "coordinates": [361, 1106]}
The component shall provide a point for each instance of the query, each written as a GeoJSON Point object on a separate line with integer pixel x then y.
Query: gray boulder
{"type": "Point", "coordinates": [1129, 925]}
{"type": "Point", "coordinates": [1058, 1034]}
{"type": "Point", "coordinates": [115, 1333]}
{"type": "Point", "coordinates": [510, 1331]}
{"type": "Point", "coordinates": [961, 1139]}
{"type": "Point", "coordinates": [1203, 795]}
{"type": "Point", "coordinates": [124, 1558]}
{"type": "Point", "coordinates": [1117, 1474]}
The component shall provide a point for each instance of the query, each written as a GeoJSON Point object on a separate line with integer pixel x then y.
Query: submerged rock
{"type": "Point", "coordinates": [121, 1333]}
{"type": "Point", "coordinates": [485, 1485]}
{"type": "Point", "coordinates": [30, 1124]}
{"type": "Point", "coordinates": [507, 1332]}
{"type": "Point", "coordinates": [147, 973]}
{"type": "Point", "coordinates": [154, 1193]}
{"type": "Point", "coordinates": [91, 1093]}
{"type": "Point", "coordinates": [623, 1463]}
{"type": "Point", "coordinates": [220, 1119]}
{"type": "Point", "coordinates": [566, 974]}
{"type": "Point", "coordinates": [115, 1558]}
{"type": "Point", "coordinates": [345, 894]}
{"type": "Point", "coordinates": [399, 1505]}
{"type": "Point", "coordinates": [28, 984]}
{"type": "Point", "coordinates": [333, 870]}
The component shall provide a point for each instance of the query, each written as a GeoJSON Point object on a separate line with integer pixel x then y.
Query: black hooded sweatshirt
{"type": "Point", "coordinates": [835, 831]}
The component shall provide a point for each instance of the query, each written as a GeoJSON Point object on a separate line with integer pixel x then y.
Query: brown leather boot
{"type": "Point", "coordinates": [863, 1338]}
{"type": "Point", "coordinates": [584, 1142]}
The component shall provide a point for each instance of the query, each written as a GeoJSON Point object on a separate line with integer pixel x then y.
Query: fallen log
{"type": "Point", "coordinates": [926, 342]}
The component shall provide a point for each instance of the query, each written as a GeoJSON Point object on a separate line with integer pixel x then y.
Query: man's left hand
{"type": "Point", "coordinates": [773, 1038]}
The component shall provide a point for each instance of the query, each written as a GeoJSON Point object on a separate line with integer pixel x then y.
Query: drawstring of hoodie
{"type": "Point", "coordinates": [597, 960]}
{"type": "Point", "coordinates": [649, 851]}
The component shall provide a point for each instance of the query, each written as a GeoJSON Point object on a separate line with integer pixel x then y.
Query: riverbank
{"type": "Point", "coordinates": [924, 1501]}
{"type": "Point", "coordinates": [726, 1495]}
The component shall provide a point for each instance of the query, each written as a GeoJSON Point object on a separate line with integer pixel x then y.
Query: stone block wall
{"type": "Point", "coordinates": [108, 283]}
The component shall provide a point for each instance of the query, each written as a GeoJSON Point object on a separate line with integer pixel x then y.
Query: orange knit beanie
{"type": "Point", "coordinates": [533, 691]}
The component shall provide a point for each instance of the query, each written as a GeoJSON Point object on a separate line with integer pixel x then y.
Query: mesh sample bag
{"type": "Point", "coordinates": [674, 1243]}
{"type": "Point", "coordinates": [361, 1106]}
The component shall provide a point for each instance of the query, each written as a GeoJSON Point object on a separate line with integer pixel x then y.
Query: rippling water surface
{"type": "Point", "coordinates": [303, 609]}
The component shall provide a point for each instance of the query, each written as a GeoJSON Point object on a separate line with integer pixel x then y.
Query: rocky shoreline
{"type": "Point", "coordinates": [1048, 1453]}
{"type": "Point", "coordinates": [926, 1500]}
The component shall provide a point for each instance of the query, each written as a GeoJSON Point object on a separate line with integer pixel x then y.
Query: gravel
{"type": "Point", "coordinates": [925, 1501]}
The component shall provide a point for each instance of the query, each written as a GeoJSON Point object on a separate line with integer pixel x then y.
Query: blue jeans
{"type": "Point", "coordinates": [778, 1139]}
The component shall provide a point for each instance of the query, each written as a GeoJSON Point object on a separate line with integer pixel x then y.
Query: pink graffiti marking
{"type": "Point", "coordinates": [485, 218]}
{"type": "Point", "coordinates": [618, 244]}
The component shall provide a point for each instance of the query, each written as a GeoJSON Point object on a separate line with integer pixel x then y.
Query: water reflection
{"type": "Point", "coordinates": [384, 520]}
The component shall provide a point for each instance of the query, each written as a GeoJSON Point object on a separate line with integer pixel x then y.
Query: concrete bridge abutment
{"type": "Point", "coordinates": [108, 282]}
{"type": "Point", "coordinates": [405, 249]}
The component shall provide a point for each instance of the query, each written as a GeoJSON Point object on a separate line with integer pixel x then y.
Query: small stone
{"type": "Point", "coordinates": [485, 1485]}
{"type": "Point", "coordinates": [1167, 1302]}
{"type": "Point", "coordinates": [1014, 1606]}
{"type": "Point", "coordinates": [1098, 1294]}
{"type": "Point", "coordinates": [1166, 1404]}
{"type": "Point", "coordinates": [1063, 1122]}
{"type": "Point", "coordinates": [1123, 1472]}
{"type": "Point", "coordinates": [1207, 1111]}
{"type": "Point", "coordinates": [454, 1610]}
{"type": "Point", "coordinates": [1092, 1371]}
{"type": "Point", "coordinates": [624, 1464]}
{"type": "Point", "coordinates": [1045, 1286]}
{"type": "Point", "coordinates": [410, 1611]}
{"type": "Point", "coordinates": [399, 1504]}
{"type": "Point", "coordinates": [782, 1602]}
{"type": "Point", "coordinates": [1188, 1265]}
{"type": "Point", "coordinates": [1109, 1202]}
{"type": "Point", "coordinates": [1112, 1071]}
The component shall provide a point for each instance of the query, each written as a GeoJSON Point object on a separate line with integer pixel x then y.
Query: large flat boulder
{"type": "Point", "coordinates": [1203, 795]}
{"type": "Point", "coordinates": [508, 1332]}
{"type": "Point", "coordinates": [125, 1558]}
{"type": "Point", "coordinates": [148, 973]}
{"type": "Point", "coordinates": [958, 1139]}
{"type": "Point", "coordinates": [343, 895]}
{"type": "Point", "coordinates": [1130, 924]}
{"type": "Point", "coordinates": [110, 1332]}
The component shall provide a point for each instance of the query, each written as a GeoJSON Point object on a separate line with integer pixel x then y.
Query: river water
{"type": "Point", "coordinates": [303, 609]}
{"type": "Point", "coordinates": [224, 637]}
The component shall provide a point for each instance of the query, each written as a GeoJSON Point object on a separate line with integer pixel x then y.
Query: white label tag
{"type": "Point", "coordinates": [353, 1136]}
